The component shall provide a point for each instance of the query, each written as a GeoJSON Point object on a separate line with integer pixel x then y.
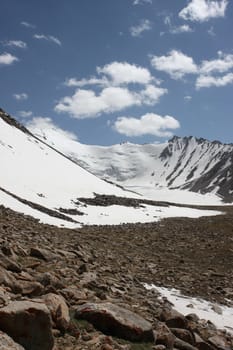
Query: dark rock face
{"type": "Point", "coordinates": [115, 320]}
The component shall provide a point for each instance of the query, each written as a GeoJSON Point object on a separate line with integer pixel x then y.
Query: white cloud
{"type": "Point", "coordinates": [41, 125]}
{"type": "Point", "coordinates": [116, 88]}
{"type": "Point", "coordinates": [206, 81]}
{"type": "Point", "coordinates": [148, 124]}
{"type": "Point", "coordinates": [7, 59]}
{"type": "Point", "coordinates": [187, 98]}
{"type": "Point", "coordinates": [125, 73]}
{"type": "Point", "coordinates": [143, 26]}
{"type": "Point", "coordinates": [25, 114]}
{"type": "Point", "coordinates": [87, 104]}
{"type": "Point", "coordinates": [141, 2]}
{"type": "Point", "coordinates": [152, 94]}
{"type": "Point", "coordinates": [27, 24]}
{"type": "Point", "coordinates": [50, 38]}
{"type": "Point", "coordinates": [85, 82]}
{"type": "Point", "coordinates": [16, 43]}
{"type": "Point", "coordinates": [203, 10]}
{"type": "Point", "coordinates": [181, 29]}
{"type": "Point", "coordinates": [176, 64]}
{"type": "Point", "coordinates": [21, 97]}
{"type": "Point", "coordinates": [185, 28]}
{"type": "Point", "coordinates": [221, 65]}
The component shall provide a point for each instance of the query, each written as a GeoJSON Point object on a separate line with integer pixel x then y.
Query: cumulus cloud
{"type": "Point", "coordinates": [176, 64]}
{"type": "Point", "coordinates": [203, 10]}
{"type": "Point", "coordinates": [148, 124]}
{"type": "Point", "coordinates": [222, 64]}
{"type": "Point", "coordinates": [16, 43]}
{"type": "Point", "coordinates": [45, 126]}
{"type": "Point", "coordinates": [21, 97]}
{"type": "Point", "coordinates": [25, 114]}
{"type": "Point", "coordinates": [141, 2]}
{"type": "Point", "coordinates": [187, 98]}
{"type": "Point", "coordinates": [143, 26]}
{"type": "Point", "coordinates": [7, 59]}
{"type": "Point", "coordinates": [28, 25]}
{"type": "Point", "coordinates": [125, 73]}
{"type": "Point", "coordinates": [88, 104]}
{"type": "Point", "coordinates": [120, 85]}
{"type": "Point", "coordinates": [50, 38]}
{"type": "Point", "coordinates": [206, 81]}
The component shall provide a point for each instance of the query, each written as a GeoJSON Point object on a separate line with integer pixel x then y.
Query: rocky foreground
{"type": "Point", "coordinates": [83, 289]}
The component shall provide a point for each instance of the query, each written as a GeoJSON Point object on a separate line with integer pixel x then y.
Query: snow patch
{"type": "Point", "coordinates": [202, 308]}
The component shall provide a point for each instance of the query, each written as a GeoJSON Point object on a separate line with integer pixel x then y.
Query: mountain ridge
{"type": "Point", "coordinates": [187, 163]}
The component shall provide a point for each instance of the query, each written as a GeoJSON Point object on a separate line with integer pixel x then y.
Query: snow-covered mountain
{"type": "Point", "coordinates": [187, 163]}
{"type": "Point", "coordinates": [38, 180]}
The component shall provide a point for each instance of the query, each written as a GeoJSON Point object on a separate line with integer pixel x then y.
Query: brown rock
{"type": "Point", "coordinates": [74, 295]}
{"type": "Point", "coordinates": [184, 335]}
{"type": "Point", "coordinates": [9, 264]}
{"type": "Point", "coordinates": [164, 336]}
{"type": "Point", "coordinates": [219, 342]}
{"type": "Point", "coordinates": [28, 323]}
{"type": "Point", "coordinates": [173, 318]}
{"type": "Point", "coordinates": [43, 254]}
{"type": "Point", "coordinates": [182, 345]}
{"type": "Point", "coordinates": [201, 344]}
{"type": "Point", "coordinates": [30, 288]}
{"type": "Point", "coordinates": [114, 320]}
{"type": "Point", "coordinates": [6, 343]}
{"type": "Point", "coordinates": [7, 279]}
{"type": "Point", "coordinates": [58, 309]}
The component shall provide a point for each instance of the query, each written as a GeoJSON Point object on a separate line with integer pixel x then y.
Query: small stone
{"type": "Point", "coordinates": [217, 309]}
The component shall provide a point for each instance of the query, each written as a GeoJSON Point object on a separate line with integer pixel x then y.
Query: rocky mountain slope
{"type": "Point", "coordinates": [187, 163]}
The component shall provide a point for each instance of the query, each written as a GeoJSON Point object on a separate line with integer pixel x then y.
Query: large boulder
{"type": "Point", "coordinates": [114, 320]}
{"type": "Point", "coordinates": [6, 343]}
{"type": "Point", "coordinates": [28, 323]}
{"type": "Point", "coordinates": [58, 309]}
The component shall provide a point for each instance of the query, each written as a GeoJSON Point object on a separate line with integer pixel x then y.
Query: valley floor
{"type": "Point", "coordinates": [113, 262]}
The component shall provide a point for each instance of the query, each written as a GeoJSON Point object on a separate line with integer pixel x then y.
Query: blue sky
{"type": "Point", "coordinates": [115, 70]}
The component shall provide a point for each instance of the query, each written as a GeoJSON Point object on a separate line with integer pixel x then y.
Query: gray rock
{"type": "Point", "coordinates": [114, 320]}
